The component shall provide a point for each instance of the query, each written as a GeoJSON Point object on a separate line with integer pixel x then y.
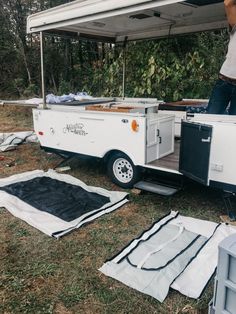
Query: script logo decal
{"type": "Point", "coordinates": [77, 128]}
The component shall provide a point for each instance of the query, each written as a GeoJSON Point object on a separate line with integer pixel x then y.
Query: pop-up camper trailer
{"type": "Point", "coordinates": [134, 134]}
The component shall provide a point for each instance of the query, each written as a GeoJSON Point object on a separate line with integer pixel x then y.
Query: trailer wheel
{"type": "Point", "coordinates": [122, 171]}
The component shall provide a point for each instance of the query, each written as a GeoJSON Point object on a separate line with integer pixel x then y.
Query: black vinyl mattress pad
{"type": "Point", "coordinates": [63, 200]}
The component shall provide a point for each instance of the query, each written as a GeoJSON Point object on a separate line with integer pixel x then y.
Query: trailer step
{"type": "Point", "coordinates": [157, 188]}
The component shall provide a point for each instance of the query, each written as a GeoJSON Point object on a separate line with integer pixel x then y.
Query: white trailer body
{"type": "Point", "coordinates": [93, 133]}
{"type": "Point", "coordinates": [205, 153]}
{"type": "Point", "coordinates": [143, 137]}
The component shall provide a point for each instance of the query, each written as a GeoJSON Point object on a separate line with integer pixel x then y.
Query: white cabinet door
{"type": "Point", "coordinates": [160, 136]}
{"type": "Point", "coordinates": [152, 140]}
{"type": "Point", "coordinates": [166, 138]}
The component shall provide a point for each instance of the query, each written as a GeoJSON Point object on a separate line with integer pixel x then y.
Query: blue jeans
{"type": "Point", "coordinates": [223, 94]}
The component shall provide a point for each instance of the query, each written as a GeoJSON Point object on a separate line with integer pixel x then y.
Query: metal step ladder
{"type": "Point", "coordinates": [157, 187]}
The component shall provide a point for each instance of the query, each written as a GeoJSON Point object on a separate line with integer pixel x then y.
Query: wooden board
{"type": "Point", "coordinates": [106, 108]}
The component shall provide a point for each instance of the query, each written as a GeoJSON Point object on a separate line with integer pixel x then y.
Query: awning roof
{"type": "Point", "coordinates": [116, 21]}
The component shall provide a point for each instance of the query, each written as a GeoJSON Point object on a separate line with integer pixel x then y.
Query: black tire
{"type": "Point", "coordinates": [122, 171]}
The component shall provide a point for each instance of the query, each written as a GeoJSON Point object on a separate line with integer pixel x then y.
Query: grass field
{"type": "Point", "coordinates": [39, 274]}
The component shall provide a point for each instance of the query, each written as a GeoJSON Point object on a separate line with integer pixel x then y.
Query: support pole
{"type": "Point", "coordinates": [42, 70]}
{"type": "Point", "coordinates": [124, 67]}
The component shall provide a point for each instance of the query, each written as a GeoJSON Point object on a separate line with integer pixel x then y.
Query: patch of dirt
{"type": "Point", "coordinates": [15, 119]}
{"type": "Point", "coordinates": [26, 157]}
{"type": "Point", "coordinates": [61, 309]}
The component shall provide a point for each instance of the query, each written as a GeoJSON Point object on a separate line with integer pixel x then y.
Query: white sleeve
{"type": "Point", "coordinates": [232, 30]}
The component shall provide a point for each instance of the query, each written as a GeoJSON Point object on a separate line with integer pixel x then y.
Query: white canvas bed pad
{"type": "Point", "coordinates": [189, 279]}
{"type": "Point", "coordinates": [46, 222]}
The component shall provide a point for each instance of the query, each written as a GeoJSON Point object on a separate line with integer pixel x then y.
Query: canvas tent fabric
{"type": "Point", "coordinates": [170, 253]}
{"type": "Point", "coordinates": [56, 203]}
{"type": "Point", "coordinates": [9, 141]}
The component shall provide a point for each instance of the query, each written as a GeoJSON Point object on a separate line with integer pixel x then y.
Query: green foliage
{"type": "Point", "coordinates": [166, 69]}
{"type": "Point", "coordinates": [64, 87]}
{"type": "Point", "coordinates": [31, 90]}
{"type": "Point", "coordinates": [169, 69]}
{"type": "Point", "coordinates": [19, 84]}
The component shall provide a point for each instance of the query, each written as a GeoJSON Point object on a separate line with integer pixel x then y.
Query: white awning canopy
{"type": "Point", "coordinates": [117, 21]}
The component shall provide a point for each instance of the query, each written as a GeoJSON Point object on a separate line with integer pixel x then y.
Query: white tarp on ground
{"type": "Point", "coordinates": [44, 221]}
{"type": "Point", "coordinates": [157, 260]}
{"type": "Point", "coordinates": [9, 141]}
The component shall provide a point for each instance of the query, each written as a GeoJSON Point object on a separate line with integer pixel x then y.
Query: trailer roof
{"type": "Point", "coordinates": [117, 21]}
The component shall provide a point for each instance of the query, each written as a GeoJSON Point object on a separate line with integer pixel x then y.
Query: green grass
{"type": "Point", "coordinates": [39, 274]}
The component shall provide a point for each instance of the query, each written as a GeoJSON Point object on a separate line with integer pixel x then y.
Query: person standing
{"type": "Point", "coordinates": [224, 91]}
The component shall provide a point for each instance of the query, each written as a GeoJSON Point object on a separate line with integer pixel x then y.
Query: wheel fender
{"type": "Point", "coordinates": [111, 152]}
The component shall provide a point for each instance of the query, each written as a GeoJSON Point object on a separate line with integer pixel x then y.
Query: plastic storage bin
{"type": "Point", "coordinates": [224, 301]}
